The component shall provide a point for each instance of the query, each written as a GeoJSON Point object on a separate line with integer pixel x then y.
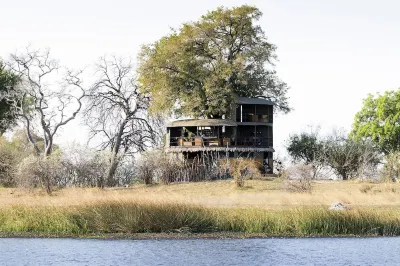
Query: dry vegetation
{"type": "Point", "coordinates": [255, 193]}
{"type": "Point", "coordinates": [261, 207]}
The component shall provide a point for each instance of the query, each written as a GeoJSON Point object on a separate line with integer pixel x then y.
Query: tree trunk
{"type": "Point", "coordinates": [345, 176]}
{"type": "Point", "coordinates": [45, 176]}
{"type": "Point", "coordinates": [49, 147]}
{"type": "Point", "coordinates": [114, 159]}
{"type": "Point", "coordinates": [29, 136]}
{"type": "Point", "coordinates": [113, 168]}
{"type": "Point", "coordinates": [48, 185]}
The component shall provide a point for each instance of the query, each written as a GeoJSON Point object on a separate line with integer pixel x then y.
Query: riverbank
{"type": "Point", "coordinates": [188, 211]}
{"type": "Point", "coordinates": [119, 217]}
{"type": "Point", "coordinates": [172, 236]}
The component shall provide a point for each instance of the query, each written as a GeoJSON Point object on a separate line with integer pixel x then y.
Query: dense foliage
{"type": "Point", "coordinates": [198, 69]}
{"type": "Point", "coordinates": [349, 158]}
{"type": "Point", "coordinates": [379, 120]}
{"type": "Point", "coordinates": [345, 156]}
{"type": "Point", "coordinates": [7, 115]}
{"type": "Point", "coordinates": [307, 148]}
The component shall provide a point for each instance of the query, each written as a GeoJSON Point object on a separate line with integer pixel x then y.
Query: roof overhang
{"type": "Point", "coordinates": [261, 101]}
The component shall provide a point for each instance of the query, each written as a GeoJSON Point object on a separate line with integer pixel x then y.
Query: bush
{"type": "Point", "coordinates": [156, 166]}
{"type": "Point", "coordinates": [77, 166]}
{"type": "Point", "coordinates": [146, 166]}
{"type": "Point", "coordinates": [11, 153]}
{"type": "Point", "coordinates": [366, 188]}
{"type": "Point", "coordinates": [84, 167]}
{"type": "Point", "coordinates": [125, 173]}
{"type": "Point", "coordinates": [36, 171]}
{"type": "Point", "coordinates": [241, 169]}
{"type": "Point", "coordinates": [299, 178]}
{"type": "Point", "coordinates": [391, 168]}
{"type": "Point", "coordinates": [8, 162]}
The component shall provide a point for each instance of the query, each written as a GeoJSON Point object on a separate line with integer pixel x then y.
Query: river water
{"type": "Point", "coordinates": [267, 251]}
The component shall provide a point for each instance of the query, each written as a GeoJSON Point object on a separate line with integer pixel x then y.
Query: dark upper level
{"type": "Point", "coordinates": [254, 110]}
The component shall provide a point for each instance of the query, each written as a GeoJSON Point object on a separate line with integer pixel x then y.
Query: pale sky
{"type": "Point", "coordinates": [331, 53]}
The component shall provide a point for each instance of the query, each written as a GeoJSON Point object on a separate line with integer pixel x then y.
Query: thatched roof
{"type": "Point", "coordinates": [244, 100]}
{"type": "Point", "coordinates": [202, 122]}
{"type": "Point", "coordinates": [223, 149]}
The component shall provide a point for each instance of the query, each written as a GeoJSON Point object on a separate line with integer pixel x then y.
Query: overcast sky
{"type": "Point", "coordinates": [331, 53]}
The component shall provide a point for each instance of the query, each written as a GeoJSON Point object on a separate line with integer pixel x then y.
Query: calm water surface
{"type": "Point", "coordinates": [312, 251]}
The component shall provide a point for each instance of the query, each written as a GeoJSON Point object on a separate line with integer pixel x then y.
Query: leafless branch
{"type": "Point", "coordinates": [117, 112]}
{"type": "Point", "coordinates": [43, 97]}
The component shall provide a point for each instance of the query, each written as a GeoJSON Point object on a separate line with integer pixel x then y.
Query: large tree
{"type": "Point", "coordinates": [117, 112]}
{"type": "Point", "coordinates": [379, 120]}
{"type": "Point", "coordinates": [348, 157]}
{"type": "Point", "coordinates": [47, 98]}
{"type": "Point", "coordinates": [8, 81]}
{"type": "Point", "coordinates": [198, 69]}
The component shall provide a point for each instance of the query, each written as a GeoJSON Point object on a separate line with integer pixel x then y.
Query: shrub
{"type": "Point", "coordinates": [153, 166]}
{"type": "Point", "coordinates": [299, 178]}
{"type": "Point", "coordinates": [146, 167]}
{"type": "Point", "coordinates": [84, 167]}
{"type": "Point", "coordinates": [36, 171]}
{"type": "Point", "coordinates": [125, 173]}
{"type": "Point", "coordinates": [366, 188]}
{"type": "Point", "coordinates": [8, 162]}
{"type": "Point", "coordinates": [241, 169]}
{"type": "Point", "coordinates": [11, 153]}
{"type": "Point", "coordinates": [391, 168]}
{"type": "Point", "coordinates": [156, 166]}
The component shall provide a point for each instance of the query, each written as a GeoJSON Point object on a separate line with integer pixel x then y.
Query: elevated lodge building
{"type": "Point", "coordinates": [247, 132]}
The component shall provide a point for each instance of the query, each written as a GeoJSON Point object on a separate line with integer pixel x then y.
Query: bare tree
{"type": "Point", "coordinates": [45, 100]}
{"type": "Point", "coordinates": [117, 112]}
{"type": "Point", "coordinates": [349, 158]}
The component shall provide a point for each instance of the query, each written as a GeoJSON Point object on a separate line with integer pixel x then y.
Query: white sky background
{"type": "Point", "coordinates": [331, 53]}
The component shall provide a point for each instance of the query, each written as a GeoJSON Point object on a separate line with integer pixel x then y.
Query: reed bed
{"type": "Point", "coordinates": [128, 217]}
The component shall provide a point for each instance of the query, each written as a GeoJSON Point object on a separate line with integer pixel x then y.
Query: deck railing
{"type": "Point", "coordinates": [260, 118]}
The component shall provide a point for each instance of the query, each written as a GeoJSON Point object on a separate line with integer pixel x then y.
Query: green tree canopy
{"type": "Point", "coordinates": [304, 147]}
{"type": "Point", "coordinates": [379, 120]}
{"type": "Point", "coordinates": [7, 81]}
{"type": "Point", "coordinates": [200, 68]}
{"type": "Point", "coordinates": [307, 148]}
{"type": "Point", "coordinates": [346, 157]}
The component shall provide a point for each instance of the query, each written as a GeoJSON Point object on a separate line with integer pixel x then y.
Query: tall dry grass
{"type": "Point", "coordinates": [261, 207]}
{"type": "Point", "coordinates": [255, 193]}
{"type": "Point", "coordinates": [141, 217]}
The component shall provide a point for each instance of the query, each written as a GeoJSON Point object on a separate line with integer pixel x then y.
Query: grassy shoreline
{"type": "Point", "coordinates": [119, 218]}
{"type": "Point", "coordinates": [174, 236]}
{"type": "Point", "coordinates": [203, 210]}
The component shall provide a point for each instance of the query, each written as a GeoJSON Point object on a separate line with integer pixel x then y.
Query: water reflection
{"type": "Point", "coordinates": [312, 251]}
